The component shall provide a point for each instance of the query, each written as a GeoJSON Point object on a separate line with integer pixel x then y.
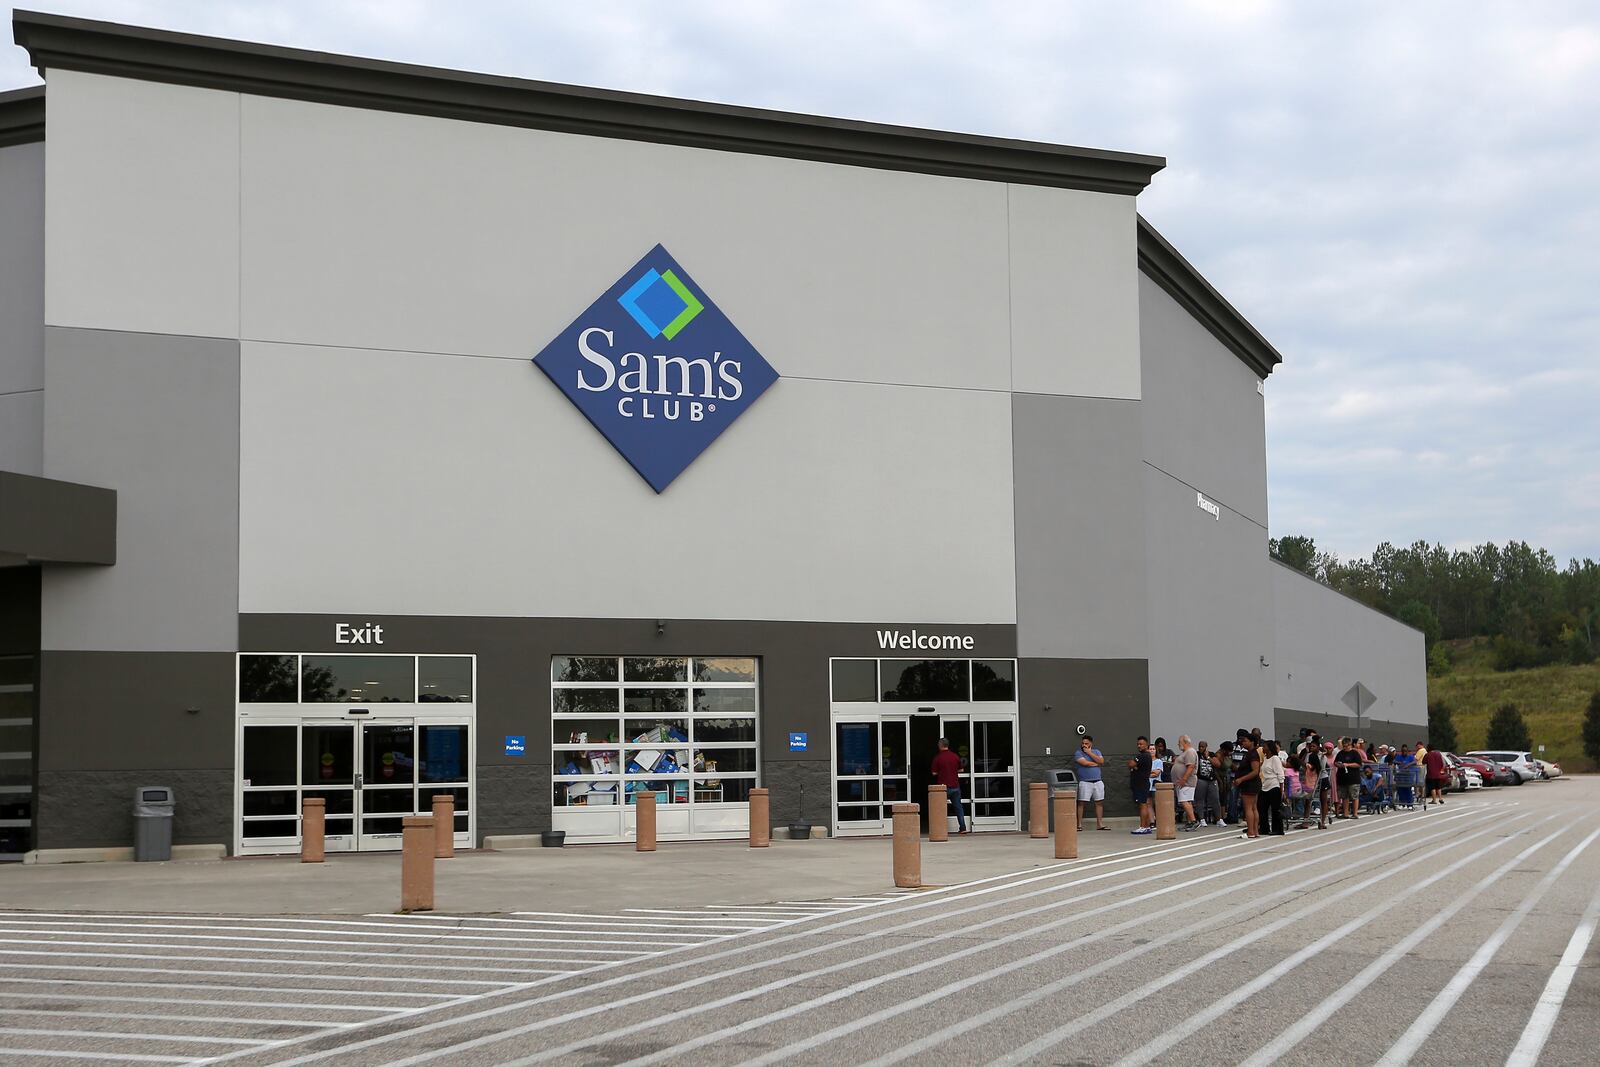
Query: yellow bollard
{"type": "Point", "coordinates": [938, 813]}
{"type": "Point", "coordinates": [907, 846]}
{"type": "Point", "coordinates": [1066, 826]}
{"type": "Point", "coordinates": [760, 819]}
{"type": "Point", "coordinates": [313, 829]}
{"type": "Point", "coordinates": [644, 813]}
{"type": "Point", "coordinates": [1038, 809]}
{"type": "Point", "coordinates": [416, 863]}
{"type": "Point", "coordinates": [1166, 812]}
{"type": "Point", "coordinates": [444, 826]}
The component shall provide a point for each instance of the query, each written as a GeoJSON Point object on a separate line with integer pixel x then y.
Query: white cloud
{"type": "Point", "coordinates": [1400, 196]}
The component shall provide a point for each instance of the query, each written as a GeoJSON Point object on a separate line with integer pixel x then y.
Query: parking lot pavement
{"type": "Point", "coordinates": [1450, 935]}
{"type": "Point", "coordinates": [175, 988]}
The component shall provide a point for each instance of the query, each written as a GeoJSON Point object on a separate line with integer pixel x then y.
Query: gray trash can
{"type": "Point", "coordinates": [152, 823]}
{"type": "Point", "coordinates": [1063, 781]}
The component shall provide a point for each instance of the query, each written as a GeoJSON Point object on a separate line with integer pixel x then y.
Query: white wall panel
{"type": "Point", "coordinates": [385, 231]}
{"type": "Point", "coordinates": [143, 206]}
{"type": "Point", "coordinates": [1074, 293]}
{"type": "Point", "coordinates": [1327, 642]}
{"type": "Point", "coordinates": [428, 484]}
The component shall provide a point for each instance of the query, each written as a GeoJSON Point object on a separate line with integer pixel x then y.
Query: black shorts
{"type": "Point", "coordinates": [1140, 796]}
{"type": "Point", "coordinates": [1437, 785]}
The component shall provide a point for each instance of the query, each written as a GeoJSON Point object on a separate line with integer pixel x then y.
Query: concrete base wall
{"type": "Point", "coordinates": [94, 809]}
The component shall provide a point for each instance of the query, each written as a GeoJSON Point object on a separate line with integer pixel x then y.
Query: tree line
{"type": "Point", "coordinates": [1535, 611]}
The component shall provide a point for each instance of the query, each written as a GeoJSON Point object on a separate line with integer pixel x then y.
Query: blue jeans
{"type": "Point", "coordinates": [1235, 806]}
{"type": "Point", "coordinates": [952, 799]}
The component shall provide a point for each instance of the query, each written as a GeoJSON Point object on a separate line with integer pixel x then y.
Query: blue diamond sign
{"type": "Point", "coordinates": [657, 368]}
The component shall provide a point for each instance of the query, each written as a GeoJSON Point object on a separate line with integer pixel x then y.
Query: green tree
{"type": "Point", "coordinates": [1441, 728]}
{"type": "Point", "coordinates": [1416, 613]}
{"type": "Point", "coordinates": [1301, 554]}
{"type": "Point", "coordinates": [1507, 730]}
{"type": "Point", "coordinates": [1591, 729]}
{"type": "Point", "coordinates": [1439, 661]}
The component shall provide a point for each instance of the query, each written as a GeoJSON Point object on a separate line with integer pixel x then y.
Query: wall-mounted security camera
{"type": "Point", "coordinates": [1082, 729]}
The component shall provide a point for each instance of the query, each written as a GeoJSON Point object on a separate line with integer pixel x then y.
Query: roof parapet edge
{"type": "Point", "coordinates": [22, 116]}
{"type": "Point", "coordinates": [66, 43]}
{"type": "Point", "coordinates": [1167, 267]}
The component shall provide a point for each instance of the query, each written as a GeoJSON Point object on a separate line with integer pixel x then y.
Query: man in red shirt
{"type": "Point", "coordinates": [1438, 775]}
{"type": "Point", "coordinates": [947, 772]}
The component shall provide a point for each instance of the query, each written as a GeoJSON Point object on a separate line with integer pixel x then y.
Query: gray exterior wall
{"type": "Point", "coordinates": [1080, 521]}
{"type": "Point", "coordinates": [22, 308]}
{"type": "Point", "coordinates": [1326, 643]}
{"type": "Point", "coordinates": [1209, 604]}
{"type": "Point", "coordinates": [156, 419]}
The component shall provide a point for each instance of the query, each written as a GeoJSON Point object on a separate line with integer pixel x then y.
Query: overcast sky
{"type": "Point", "coordinates": [1404, 198]}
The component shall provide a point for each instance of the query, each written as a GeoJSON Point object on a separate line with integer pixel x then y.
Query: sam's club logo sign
{"type": "Point", "coordinates": [657, 368]}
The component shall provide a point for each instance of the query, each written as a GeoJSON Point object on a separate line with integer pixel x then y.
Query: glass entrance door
{"type": "Point", "coordinates": [987, 745]}
{"type": "Point", "coordinates": [387, 782]}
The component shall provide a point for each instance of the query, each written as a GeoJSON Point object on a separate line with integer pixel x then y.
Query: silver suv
{"type": "Point", "coordinates": [1521, 763]}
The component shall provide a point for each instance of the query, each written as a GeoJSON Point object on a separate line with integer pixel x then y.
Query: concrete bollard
{"type": "Point", "coordinates": [938, 813]}
{"type": "Point", "coordinates": [1038, 809]}
{"type": "Point", "coordinates": [644, 815]}
{"type": "Point", "coordinates": [416, 863]}
{"type": "Point", "coordinates": [313, 829]}
{"type": "Point", "coordinates": [907, 846]}
{"type": "Point", "coordinates": [1066, 826]}
{"type": "Point", "coordinates": [444, 826]}
{"type": "Point", "coordinates": [1166, 812]}
{"type": "Point", "coordinates": [760, 819]}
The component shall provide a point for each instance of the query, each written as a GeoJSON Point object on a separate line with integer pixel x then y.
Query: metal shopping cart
{"type": "Point", "coordinates": [1408, 785]}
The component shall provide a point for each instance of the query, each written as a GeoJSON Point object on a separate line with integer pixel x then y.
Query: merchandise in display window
{"type": "Point", "coordinates": [681, 727]}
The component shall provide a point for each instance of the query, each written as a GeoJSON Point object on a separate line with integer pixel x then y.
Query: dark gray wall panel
{"type": "Point", "coordinates": [155, 418]}
{"type": "Point", "coordinates": [1111, 698]}
{"type": "Point", "coordinates": [19, 610]}
{"type": "Point", "coordinates": [94, 809]}
{"type": "Point", "coordinates": [1080, 526]}
{"type": "Point", "coordinates": [1204, 422]}
{"type": "Point", "coordinates": [118, 710]}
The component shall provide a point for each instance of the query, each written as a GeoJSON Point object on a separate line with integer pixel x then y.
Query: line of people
{"type": "Point", "coordinates": [1257, 782]}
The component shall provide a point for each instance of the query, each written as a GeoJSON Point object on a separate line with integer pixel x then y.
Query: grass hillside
{"type": "Point", "coordinates": [1552, 700]}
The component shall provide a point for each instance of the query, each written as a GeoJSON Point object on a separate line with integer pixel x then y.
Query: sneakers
{"type": "Point", "coordinates": [1192, 826]}
{"type": "Point", "coordinates": [1143, 830]}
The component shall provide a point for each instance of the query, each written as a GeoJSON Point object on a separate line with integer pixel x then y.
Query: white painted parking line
{"type": "Point", "coordinates": [188, 970]}
{"type": "Point", "coordinates": [143, 983]}
{"type": "Point", "coordinates": [18, 1031]}
{"type": "Point", "coordinates": [232, 1020]}
{"type": "Point", "coordinates": [1548, 1007]}
{"type": "Point", "coordinates": [510, 939]}
{"type": "Point", "coordinates": [709, 927]}
{"type": "Point", "coordinates": [1073, 919]}
{"type": "Point", "coordinates": [1145, 1053]}
{"type": "Point", "coordinates": [376, 1009]}
{"type": "Point", "coordinates": [419, 957]}
{"type": "Point", "coordinates": [420, 949]}
{"type": "Point", "coordinates": [120, 1057]}
{"type": "Point", "coordinates": [592, 919]}
{"type": "Point", "coordinates": [1347, 991]}
{"type": "Point", "coordinates": [1219, 855]}
{"type": "Point", "coordinates": [1395, 845]}
{"type": "Point", "coordinates": [1111, 866]}
{"type": "Point", "coordinates": [1401, 1051]}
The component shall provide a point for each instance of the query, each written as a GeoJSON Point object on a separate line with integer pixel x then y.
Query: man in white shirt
{"type": "Point", "coordinates": [1184, 768]}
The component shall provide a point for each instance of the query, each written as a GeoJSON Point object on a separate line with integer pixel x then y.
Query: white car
{"type": "Point", "coordinates": [1474, 779]}
{"type": "Point", "coordinates": [1550, 770]}
{"type": "Point", "coordinates": [1521, 763]}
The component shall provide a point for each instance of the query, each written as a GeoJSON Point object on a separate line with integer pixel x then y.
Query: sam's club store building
{"type": "Point", "coordinates": [370, 431]}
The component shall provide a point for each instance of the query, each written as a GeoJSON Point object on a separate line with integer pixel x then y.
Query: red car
{"type": "Point", "coordinates": [1491, 772]}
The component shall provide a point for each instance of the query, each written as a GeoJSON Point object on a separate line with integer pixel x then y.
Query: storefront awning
{"type": "Point", "coordinates": [47, 521]}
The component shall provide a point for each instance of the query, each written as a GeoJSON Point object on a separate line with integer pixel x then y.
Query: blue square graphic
{"type": "Point", "coordinates": [657, 368]}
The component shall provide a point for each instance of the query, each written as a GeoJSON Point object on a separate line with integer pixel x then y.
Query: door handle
{"type": "Point", "coordinates": [358, 782]}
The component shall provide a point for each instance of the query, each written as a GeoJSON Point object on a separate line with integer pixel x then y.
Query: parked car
{"type": "Point", "coordinates": [1473, 778]}
{"type": "Point", "coordinates": [1455, 772]}
{"type": "Point", "coordinates": [1491, 772]}
{"type": "Point", "coordinates": [1548, 769]}
{"type": "Point", "coordinates": [1521, 763]}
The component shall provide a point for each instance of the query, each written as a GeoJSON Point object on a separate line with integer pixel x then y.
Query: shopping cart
{"type": "Point", "coordinates": [1408, 785]}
